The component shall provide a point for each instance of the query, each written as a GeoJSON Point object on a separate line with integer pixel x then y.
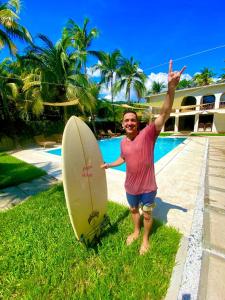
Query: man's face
{"type": "Point", "coordinates": [130, 123]}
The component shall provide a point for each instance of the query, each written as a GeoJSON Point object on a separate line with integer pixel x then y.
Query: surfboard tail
{"type": "Point", "coordinates": [92, 237]}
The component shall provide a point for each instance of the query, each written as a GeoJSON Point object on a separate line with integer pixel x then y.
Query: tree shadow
{"type": "Point", "coordinates": [162, 208]}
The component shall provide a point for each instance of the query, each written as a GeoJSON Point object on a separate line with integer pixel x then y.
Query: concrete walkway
{"type": "Point", "coordinates": [212, 280]}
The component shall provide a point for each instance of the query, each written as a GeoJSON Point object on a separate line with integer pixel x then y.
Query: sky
{"type": "Point", "coordinates": [152, 32]}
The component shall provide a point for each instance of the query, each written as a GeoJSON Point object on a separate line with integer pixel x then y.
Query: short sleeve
{"type": "Point", "coordinates": [151, 131]}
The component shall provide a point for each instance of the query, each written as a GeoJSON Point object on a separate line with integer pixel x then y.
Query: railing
{"type": "Point", "coordinates": [204, 106]}
{"type": "Point", "coordinates": [222, 104]}
{"type": "Point", "coordinates": [187, 108]}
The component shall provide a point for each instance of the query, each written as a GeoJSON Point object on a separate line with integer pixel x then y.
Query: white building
{"type": "Point", "coordinates": [194, 109]}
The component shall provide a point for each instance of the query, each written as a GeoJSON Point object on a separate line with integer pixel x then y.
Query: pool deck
{"type": "Point", "coordinates": [177, 176]}
{"type": "Point", "coordinates": [183, 190]}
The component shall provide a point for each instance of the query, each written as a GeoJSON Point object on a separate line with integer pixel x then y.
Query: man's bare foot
{"type": "Point", "coordinates": [144, 248]}
{"type": "Point", "coordinates": [131, 238]}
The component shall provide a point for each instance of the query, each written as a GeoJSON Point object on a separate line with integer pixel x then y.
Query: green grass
{"type": "Point", "coordinates": [14, 171]}
{"type": "Point", "coordinates": [166, 133]}
{"type": "Point", "coordinates": [207, 134]}
{"type": "Point", "coordinates": [41, 259]}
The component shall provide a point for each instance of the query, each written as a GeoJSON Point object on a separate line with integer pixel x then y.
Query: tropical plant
{"type": "Point", "coordinates": [204, 78]}
{"type": "Point", "coordinates": [108, 66]}
{"type": "Point", "coordinates": [10, 27]}
{"type": "Point", "coordinates": [54, 79]}
{"type": "Point", "coordinates": [8, 90]}
{"type": "Point", "coordinates": [131, 78]}
{"type": "Point", "coordinates": [184, 83]}
{"type": "Point", "coordinates": [156, 88]}
{"type": "Point", "coordinates": [80, 38]}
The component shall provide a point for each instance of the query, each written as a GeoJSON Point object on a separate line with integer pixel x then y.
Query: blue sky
{"type": "Point", "coordinates": [150, 31]}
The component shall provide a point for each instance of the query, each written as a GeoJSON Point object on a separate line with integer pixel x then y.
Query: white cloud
{"type": "Point", "coordinates": [93, 73]}
{"type": "Point", "coordinates": [159, 77]}
{"type": "Point", "coordinates": [162, 77]}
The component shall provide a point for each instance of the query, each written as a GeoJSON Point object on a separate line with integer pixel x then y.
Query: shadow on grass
{"type": "Point", "coordinates": [113, 229]}
{"type": "Point", "coordinates": [110, 230]}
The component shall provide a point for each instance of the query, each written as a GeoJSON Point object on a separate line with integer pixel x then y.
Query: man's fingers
{"type": "Point", "coordinates": [170, 66]}
{"type": "Point", "coordinates": [182, 70]}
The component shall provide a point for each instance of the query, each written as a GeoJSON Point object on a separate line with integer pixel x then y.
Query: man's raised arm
{"type": "Point", "coordinates": [173, 80]}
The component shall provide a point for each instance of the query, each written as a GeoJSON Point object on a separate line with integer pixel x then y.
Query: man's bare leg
{"type": "Point", "coordinates": [135, 215]}
{"type": "Point", "coordinates": [148, 221]}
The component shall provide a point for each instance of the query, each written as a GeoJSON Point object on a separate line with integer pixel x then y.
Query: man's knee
{"type": "Point", "coordinates": [134, 210]}
{"type": "Point", "coordinates": [147, 215]}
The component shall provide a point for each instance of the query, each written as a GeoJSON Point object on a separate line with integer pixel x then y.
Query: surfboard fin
{"type": "Point", "coordinates": [93, 236]}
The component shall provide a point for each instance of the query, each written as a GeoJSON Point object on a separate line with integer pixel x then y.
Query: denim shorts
{"type": "Point", "coordinates": [146, 201]}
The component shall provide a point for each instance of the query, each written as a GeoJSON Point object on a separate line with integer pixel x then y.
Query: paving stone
{"type": "Point", "coordinates": [10, 197]}
{"type": "Point", "coordinates": [214, 230]}
{"type": "Point", "coordinates": [216, 181]}
{"type": "Point", "coordinates": [212, 283]}
{"type": "Point", "coordinates": [216, 198]}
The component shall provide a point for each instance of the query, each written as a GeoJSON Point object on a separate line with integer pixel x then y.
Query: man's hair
{"type": "Point", "coordinates": [128, 111]}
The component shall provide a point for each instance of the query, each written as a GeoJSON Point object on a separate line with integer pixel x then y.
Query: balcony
{"type": "Point", "coordinates": [222, 104]}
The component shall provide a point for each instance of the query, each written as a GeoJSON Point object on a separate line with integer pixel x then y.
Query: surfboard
{"type": "Point", "coordinates": [84, 181]}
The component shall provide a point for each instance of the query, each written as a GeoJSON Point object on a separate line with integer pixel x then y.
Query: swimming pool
{"type": "Point", "coordinates": [110, 149]}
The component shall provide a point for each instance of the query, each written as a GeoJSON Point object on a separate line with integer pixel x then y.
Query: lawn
{"type": "Point", "coordinates": [207, 134]}
{"type": "Point", "coordinates": [41, 259]}
{"type": "Point", "coordinates": [14, 171]}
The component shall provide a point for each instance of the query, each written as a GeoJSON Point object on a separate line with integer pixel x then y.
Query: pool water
{"type": "Point", "coordinates": [110, 149]}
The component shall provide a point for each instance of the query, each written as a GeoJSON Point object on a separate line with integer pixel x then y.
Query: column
{"type": "Point", "coordinates": [176, 123]}
{"type": "Point", "coordinates": [198, 101]}
{"type": "Point", "coordinates": [196, 123]}
{"type": "Point", "coordinates": [217, 100]}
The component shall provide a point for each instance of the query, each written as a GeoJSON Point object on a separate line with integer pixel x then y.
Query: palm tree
{"type": "Point", "coordinates": [131, 78]}
{"type": "Point", "coordinates": [8, 90]}
{"type": "Point", "coordinates": [184, 83]}
{"type": "Point", "coordinates": [54, 78]}
{"type": "Point", "coordinates": [80, 38]}
{"type": "Point", "coordinates": [10, 27]}
{"type": "Point", "coordinates": [108, 66]}
{"type": "Point", "coordinates": [204, 78]}
{"type": "Point", "coordinates": [156, 88]}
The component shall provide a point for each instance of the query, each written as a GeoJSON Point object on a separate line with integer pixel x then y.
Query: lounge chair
{"type": "Point", "coordinates": [57, 137]}
{"type": "Point", "coordinates": [102, 134]}
{"type": "Point", "coordinates": [201, 127]}
{"type": "Point", "coordinates": [112, 134]}
{"type": "Point", "coordinates": [208, 127]}
{"type": "Point", "coordinates": [41, 141]}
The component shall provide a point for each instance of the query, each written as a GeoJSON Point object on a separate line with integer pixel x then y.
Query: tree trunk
{"type": "Point", "coordinates": [114, 118]}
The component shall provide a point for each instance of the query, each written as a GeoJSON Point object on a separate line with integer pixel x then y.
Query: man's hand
{"type": "Point", "coordinates": [174, 77]}
{"type": "Point", "coordinates": [173, 80]}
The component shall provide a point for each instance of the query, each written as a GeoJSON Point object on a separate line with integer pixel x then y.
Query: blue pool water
{"type": "Point", "coordinates": [110, 149]}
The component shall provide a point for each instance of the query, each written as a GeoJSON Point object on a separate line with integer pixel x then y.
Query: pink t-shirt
{"type": "Point", "coordinates": [139, 157]}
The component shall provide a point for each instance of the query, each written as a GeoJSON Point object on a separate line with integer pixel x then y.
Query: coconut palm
{"type": "Point", "coordinates": [8, 90]}
{"type": "Point", "coordinates": [10, 27]}
{"type": "Point", "coordinates": [131, 78]}
{"type": "Point", "coordinates": [204, 78]}
{"type": "Point", "coordinates": [108, 66]}
{"type": "Point", "coordinates": [156, 88]}
{"type": "Point", "coordinates": [80, 38]}
{"type": "Point", "coordinates": [54, 78]}
{"type": "Point", "coordinates": [184, 83]}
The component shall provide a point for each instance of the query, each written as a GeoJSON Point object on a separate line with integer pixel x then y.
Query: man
{"type": "Point", "coordinates": [137, 150]}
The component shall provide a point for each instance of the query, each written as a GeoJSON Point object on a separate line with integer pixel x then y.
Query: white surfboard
{"type": "Point", "coordinates": [84, 181]}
